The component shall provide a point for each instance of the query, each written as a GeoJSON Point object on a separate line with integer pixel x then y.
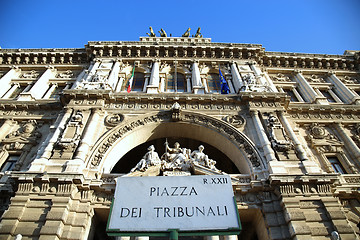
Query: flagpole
{"type": "Point", "coordinates": [175, 75]}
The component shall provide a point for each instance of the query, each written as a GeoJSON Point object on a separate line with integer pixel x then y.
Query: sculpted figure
{"type": "Point", "coordinates": [151, 158]}
{"type": "Point", "coordinates": [176, 158]}
{"type": "Point", "coordinates": [198, 34]}
{"type": "Point", "coordinates": [187, 33]}
{"type": "Point", "coordinates": [200, 158]}
{"type": "Point", "coordinates": [162, 33]}
{"type": "Point", "coordinates": [151, 34]}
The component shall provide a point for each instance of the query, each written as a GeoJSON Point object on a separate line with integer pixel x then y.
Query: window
{"type": "Point", "coordinates": [10, 162]}
{"type": "Point", "coordinates": [336, 165]}
{"type": "Point", "coordinates": [56, 93]}
{"type": "Point", "coordinates": [292, 95]}
{"type": "Point", "coordinates": [179, 82]}
{"type": "Point", "coordinates": [138, 82]}
{"type": "Point", "coordinates": [328, 96]}
{"type": "Point", "coordinates": [17, 91]}
{"type": "Point", "coordinates": [213, 82]}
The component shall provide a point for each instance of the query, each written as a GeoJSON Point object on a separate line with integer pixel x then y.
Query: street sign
{"type": "Point", "coordinates": [184, 203]}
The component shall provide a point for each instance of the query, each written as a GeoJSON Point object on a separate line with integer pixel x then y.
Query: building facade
{"type": "Point", "coordinates": [288, 133]}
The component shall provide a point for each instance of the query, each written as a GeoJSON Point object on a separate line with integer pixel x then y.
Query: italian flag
{"type": "Point", "coordinates": [131, 80]}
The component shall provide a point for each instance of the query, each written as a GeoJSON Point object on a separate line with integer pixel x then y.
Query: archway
{"type": "Point", "coordinates": [189, 125]}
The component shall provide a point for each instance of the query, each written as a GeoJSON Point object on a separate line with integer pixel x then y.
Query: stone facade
{"type": "Point", "coordinates": [288, 133]}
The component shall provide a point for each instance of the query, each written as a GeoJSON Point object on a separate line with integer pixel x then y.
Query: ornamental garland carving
{"type": "Point", "coordinates": [220, 126]}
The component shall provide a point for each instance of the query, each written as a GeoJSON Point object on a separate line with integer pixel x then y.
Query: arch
{"type": "Point", "coordinates": [122, 138]}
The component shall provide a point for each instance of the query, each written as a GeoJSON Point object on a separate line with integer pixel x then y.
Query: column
{"type": "Point", "coordinates": [113, 77]}
{"type": "Point", "coordinates": [154, 82]}
{"type": "Point", "coordinates": [5, 81]}
{"type": "Point", "coordinates": [198, 87]}
{"type": "Point", "coordinates": [307, 91]}
{"type": "Point", "coordinates": [344, 92]}
{"type": "Point", "coordinates": [146, 83]}
{"type": "Point", "coordinates": [274, 166]}
{"type": "Point", "coordinates": [236, 78]}
{"type": "Point", "coordinates": [188, 83]}
{"type": "Point", "coordinates": [264, 141]}
{"type": "Point", "coordinates": [45, 150]}
{"type": "Point", "coordinates": [119, 84]}
{"type": "Point", "coordinates": [50, 91]}
{"type": "Point", "coordinates": [12, 90]}
{"type": "Point", "coordinates": [309, 165]}
{"type": "Point", "coordinates": [349, 144]}
{"type": "Point", "coordinates": [88, 135]}
{"type": "Point", "coordinates": [40, 87]}
{"type": "Point", "coordinates": [231, 86]}
{"type": "Point", "coordinates": [263, 81]}
{"type": "Point", "coordinates": [79, 79]}
{"type": "Point", "coordinates": [92, 72]}
{"type": "Point", "coordinates": [297, 94]}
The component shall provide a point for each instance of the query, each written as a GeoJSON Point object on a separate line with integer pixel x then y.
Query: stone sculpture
{"type": "Point", "coordinates": [198, 34]}
{"type": "Point", "coordinates": [162, 33]}
{"type": "Point", "coordinates": [151, 158]}
{"type": "Point", "coordinates": [151, 34]}
{"type": "Point", "coordinates": [176, 159]}
{"type": "Point", "coordinates": [187, 33]}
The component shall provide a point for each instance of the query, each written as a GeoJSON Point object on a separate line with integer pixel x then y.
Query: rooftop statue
{"type": "Point", "coordinates": [151, 34]}
{"type": "Point", "coordinates": [162, 33]}
{"type": "Point", "coordinates": [198, 34]}
{"type": "Point", "coordinates": [187, 33]}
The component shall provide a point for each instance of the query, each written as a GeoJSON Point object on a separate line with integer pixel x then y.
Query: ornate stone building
{"type": "Point", "coordinates": [288, 133]}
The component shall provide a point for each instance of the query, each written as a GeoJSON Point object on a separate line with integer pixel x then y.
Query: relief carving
{"type": "Point", "coordinates": [315, 79]}
{"type": "Point", "coordinates": [278, 138]}
{"type": "Point", "coordinates": [66, 74]}
{"type": "Point", "coordinates": [31, 74]}
{"type": "Point", "coordinates": [114, 119]}
{"type": "Point", "coordinates": [235, 120]}
{"type": "Point", "coordinates": [23, 139]}
{"type": "Point", "coordinates": [70, 137]}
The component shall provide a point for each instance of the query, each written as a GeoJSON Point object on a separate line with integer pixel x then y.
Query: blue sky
{"type": "Point", "coordinates": [309, 26]}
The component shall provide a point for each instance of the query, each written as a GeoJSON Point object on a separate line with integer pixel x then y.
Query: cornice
{"type": "Point", "coordinates": [9, 105]}
{"type": "Point", "coordinates": [180, 48]}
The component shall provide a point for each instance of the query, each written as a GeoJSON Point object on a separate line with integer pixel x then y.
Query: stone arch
{"type": "Point", "coordinates": [133, 132]}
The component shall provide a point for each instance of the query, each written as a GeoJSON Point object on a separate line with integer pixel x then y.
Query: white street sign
{"type": "Point", "coordinates": [187, 203]}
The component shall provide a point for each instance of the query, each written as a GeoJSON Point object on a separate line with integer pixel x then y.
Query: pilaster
{"type": "Point", "coordinates": [269, 154]}
{"type": "Point", "coordinates": [236, 78]}
{"type": "Point", "coordinates": [198, 87]}
{"type": "Point", "coordinates": [307, 91]}
{"type": "Point", "coordinates": [5, 81]}
{"type": "Point", "coordinates": [89, 135]}
{"type": "Point", "coordinates": [344, 92]}
{"type": "Point", "coordinates": [154, 81]}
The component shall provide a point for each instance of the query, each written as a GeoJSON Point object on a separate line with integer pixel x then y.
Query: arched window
{"type": "Point", "coordinates": [171, 82]}
{"type": "Point", "coordinates": [213, 82]}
